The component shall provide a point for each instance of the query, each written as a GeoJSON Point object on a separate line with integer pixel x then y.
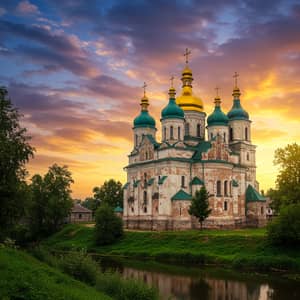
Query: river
{"type": "Point", "coordinates": [205, 283]}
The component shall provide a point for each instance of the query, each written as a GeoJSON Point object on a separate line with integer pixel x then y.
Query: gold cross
{"type": "Point", "coordinates": [144, 87]}
{"type": "Point", "coordinates": [172, 80]}
{"type": "Point", "coordinates": [186, 54]}
{"type": "Point", "coordinates": [217, 90]}
{"type": "Point", "coordinates": [235, 76]}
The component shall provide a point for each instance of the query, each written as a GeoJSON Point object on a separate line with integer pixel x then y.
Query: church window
{"type": "Point", "coordinates": [179, 133]}
{"type": "Point", "coordinates": [225, 188]}
{"type": "Point", "coordinates": [180, 210]}
{"type": "Point", "coordinates": [248, 157]}
{"type": "Point", "coordinates": [182, 181]}
{"type": "Point", "coordinates": [198, 130]}
{"type": "Point", "coordinates": [136, 140]}
{"type": "Point", "coordinates": [225, 205]}
{"type": "Point", "coordinates": [145, 209]}
{"type": "Point", "coordinates": [165, 133]}
{"type": "Point", "coordinates": [231, 134]}
{"type": "Point", "coordinates": [187, 129]}
{"type": "Point", "coordinates": [145, 197]}
{"type": "Point", "coordinates": [171, 133]}
{"type": "Point", "coordinates": [224, 135]}
{"type": "Point", "coordinates": [79, 216]}
{"type": "Point", "coordinates": [262, 210]}
{"type": "Point", "coordinates": [246, 134]}
{"type": "Point", "coordinates": [132, 209]}
{"type": "Point", "coordinates": [146, 155]}
{"type": "Point", "coordinates": [218, 188]}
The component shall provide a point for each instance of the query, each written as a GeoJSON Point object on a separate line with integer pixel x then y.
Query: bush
{"type": "Point", "coordinates": [285, 229]}
{"type": "Point", "coordinates": [109, 227]}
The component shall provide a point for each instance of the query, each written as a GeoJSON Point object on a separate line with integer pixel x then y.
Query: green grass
{"type": "Point", "coordinates": [245, 248]}
{"type": "Point", "coordinates": [24, 277]}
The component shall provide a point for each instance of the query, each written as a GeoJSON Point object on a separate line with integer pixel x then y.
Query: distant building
{"type": "Point", "coordinates": [163, 176]}
{"type": "Point", "coordinates": [80, 214]}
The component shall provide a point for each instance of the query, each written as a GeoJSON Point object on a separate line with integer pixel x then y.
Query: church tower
{"type": "Point", "coordinates": [172, 119]}
{"type": "Point", "coordinates": [217, 122]}
{"type": "Point", "coordinates": [192, 106]}
{"type": "Point", "coordinates": [143, 124]}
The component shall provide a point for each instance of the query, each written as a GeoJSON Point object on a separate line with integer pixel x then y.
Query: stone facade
{"type": "Point", "coordinates": [184, 160]}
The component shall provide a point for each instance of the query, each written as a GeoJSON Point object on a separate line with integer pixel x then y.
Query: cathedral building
{"type": "Point", "coordinates": [194, 151]}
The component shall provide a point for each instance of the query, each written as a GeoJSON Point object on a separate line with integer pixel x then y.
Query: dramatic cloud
{"type": "Point", "coordinates": [26, 8]}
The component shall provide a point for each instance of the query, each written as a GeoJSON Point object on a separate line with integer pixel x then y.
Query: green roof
{"type": "Point", "coordinates": [162, 179]}
{"type": "Point", "coordinates": [181, 195]}
{"type": "Point", "coordinates": [235, 183]}
{"type": "Point", "coordinates": [144, 120]}
{"type": "Point", "coordinates": [135, 184]}
{"type": "Point", "coordinates": [126, 185]}
{"type": "Point", "coordinates": [150, 181]}
{"type": "Point", "coordinates": [196, 181]}
{"type": "Point", "coordinates": [152, 140]}
{"type": "Point", "coordinates": [201, 147]}
{"type": "Point", "coordinates": [118, 209]}
{"type": "Point", "coordinates": [172, 111]}
{"type": "Point", "coordinates": [217, 118]}
{"type": "Point", "coordinates": [252, 195]}
{"type": "Point", "coordinates": [237, 112]}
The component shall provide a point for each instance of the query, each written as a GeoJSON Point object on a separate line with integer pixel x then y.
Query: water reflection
{"type": "Point", "coordinates": [209, 284]}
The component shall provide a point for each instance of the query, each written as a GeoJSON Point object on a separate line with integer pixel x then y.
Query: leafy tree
{"type": "Point", "coordinates": [51, 200]}
{"type": "Point", "coordinates": [285, 229]}
{"type": "Point", "coordinates": [200, 205]}
{"type": "Point", "coordinates": [109, 227]}
{"type": "Point", "coordinates": [288, 179]}
{"type": "Point", "coordinates": [15, 152]}
{"type": "Point", "coordinates": [110, 193]}
{"type": "Point", "coordinates": [91, 203]}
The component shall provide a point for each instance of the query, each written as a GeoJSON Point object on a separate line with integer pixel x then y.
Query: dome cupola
{"type": "Point", "coordinates": [172, 110]}
{"type": "Point", "coordinates": [217, 117]}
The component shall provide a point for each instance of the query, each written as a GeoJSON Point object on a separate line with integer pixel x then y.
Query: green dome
{"type": "Point", "coordinates": [144, 120]}
{"type": "Point", "coordinates": [217, 118]}
{"type": "Point", "coordinates": [237, 112]}
{"type": "Point", "coordinates": [172, 111]}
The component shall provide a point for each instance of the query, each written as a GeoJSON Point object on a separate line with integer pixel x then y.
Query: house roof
{"type": "Point", "coordinates": [203, 146]}
{"type": "Point", "coordinates": [181, 195]}
{"type": "Point", "coordinates": [196, 180]}
{"type": "Point", "coordinates": [252, 195]}
{"type": "Point", "coordinates": [118, 209]}
{"type": "Point", "coordinates": [78, 208]}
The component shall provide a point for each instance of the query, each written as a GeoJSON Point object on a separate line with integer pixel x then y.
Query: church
{"type": "Point", "coordinates": [194, 151]}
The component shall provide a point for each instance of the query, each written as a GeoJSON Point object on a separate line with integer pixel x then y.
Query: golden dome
{"type": "Point", "coordinates": [188, 101]}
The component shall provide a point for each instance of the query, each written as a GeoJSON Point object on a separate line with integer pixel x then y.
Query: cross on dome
{"type": "Point", "coordinates": [235, 76]}
{"type": "Point", "coordinates": [186, 54]}
{"type": "Point", "coordinates": [144, 87]}
{"type": "Point", "coordinates": [172, 80]}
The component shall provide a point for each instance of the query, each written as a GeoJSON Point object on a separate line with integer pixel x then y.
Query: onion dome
{"type": "Point", "coordinates": [217, 117]}
{"type": "Point", "coordinates": [172, 110]}
{"type": "Point", "coordinates": [144, 119]}
{"type": "Point", "coordinates": [237, 112]}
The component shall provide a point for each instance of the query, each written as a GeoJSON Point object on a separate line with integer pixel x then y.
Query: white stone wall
{"type": "Point", "coordinates": [139, 132]}
{"type": "Point", "coordinates": [213, 131]}
{"type": "Point", "coordinates": [166, 130]}
{"type": "Point", "coordinates": [194, 118]}
{"type": "Point", "coordinates": [238, 130]}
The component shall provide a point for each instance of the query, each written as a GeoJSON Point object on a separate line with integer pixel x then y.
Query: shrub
{"type": "Point", "coordinates": [109, 227]}
{"type": "Point", "coordinates": [285, 229]}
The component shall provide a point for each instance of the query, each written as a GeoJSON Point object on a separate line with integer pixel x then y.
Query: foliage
{"type": "Point", "coordinates": [200, 205]}
{"type": "Point", "coordinates": [193, 246]}
{"type": "Point", "coordinates": [284, 230]}
{"type": "Point", "coordinates": [288, 179]}
{"type": "Point", "coordinates": [109, 226]}
{"type": "Point", "coordinates": [24, 277]}
{"type": "Point", "coordinates": [51, 200]}
{"type": "Point", "coordinates": [110, 193]}
{"type": "Point", "coordinates": [15, 152]}
{"type": "Point", "coordinates": [91, 203]}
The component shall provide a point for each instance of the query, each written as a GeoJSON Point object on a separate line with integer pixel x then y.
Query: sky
{"type": "Point", "coordinates": [75, 69]}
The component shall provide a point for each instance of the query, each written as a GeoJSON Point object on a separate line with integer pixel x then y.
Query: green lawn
{"type": "Point", "coordinates": [245, 248]}
{"type": "Point", "coordinates": [24, 277]}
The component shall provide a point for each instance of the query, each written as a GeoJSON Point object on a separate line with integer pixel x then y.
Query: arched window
{"type": "Point", "coordinates": [146, 155]}
{"type": "Point", "coordinates": [182, 181]}
{"type": "Point", "coordinates": [136, 140]}
{"type": "Point", "coordinates": [187, 129]}
{"type": "Point", "coordinates": [145, 197]}
{"type": "Point", "coordinates": [218, 188]}
{"type": "Point", "coordinates": [145, 209]}
{"type": "Point", "coordinates": [246, 133]}
{"type": "Point", "coordinates": [165, 133]}
{"type": "Point", "coordinates": [225, 205]}
{"type": "Point", "coordinates": [225, 188]}
{"type": "Point", "coordinates": [248, 157]}
{"type": "Point", "coordinates": [224, 136]}
{"type": "Point", "coordinates": [262, 210]}
{"type": "Point", "coordinates": [171, 133]}
{"type": "Point", "coordinates": [179, 133]}
{"type": "Point", "coordinates": [198, 130]}
{"type": "Point", "coordinates": [231, 134]}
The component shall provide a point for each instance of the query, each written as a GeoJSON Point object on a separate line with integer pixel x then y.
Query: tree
{"type": "Point", "coordinates": [200, 205]}
{"type": "Point", "coordinates": [288, 179]}
{"type": "Point", "coordinates": [91, 203]}
{"type": "Point", "coordinates": [51, 200]}
{"type": "Point", "coordinates": [109, 227]}
{"type": "Point", "coordinates": [15, 152]}
{"type": "Point", "coordinates": [110, 193]}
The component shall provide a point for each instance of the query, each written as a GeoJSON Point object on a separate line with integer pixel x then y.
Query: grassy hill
{"type": "Point", "coordinates": [24, 277]}
{"type": "Point", "coordinates": [245, 248]}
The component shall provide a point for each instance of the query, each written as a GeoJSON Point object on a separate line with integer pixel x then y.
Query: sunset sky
{"type": "Point", "coordinates": [75, 69]}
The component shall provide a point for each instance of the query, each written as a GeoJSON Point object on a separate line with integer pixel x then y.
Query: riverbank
{"type": "Point", "coordinates": [242, 249]}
